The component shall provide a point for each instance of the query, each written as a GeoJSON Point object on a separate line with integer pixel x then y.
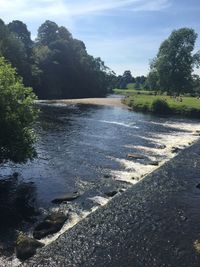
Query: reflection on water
{"type": "Point", "coordinates": [17, 209]}
{"type": "Point", "coordinates": [17, 201]}
{"type": "Point", "coordinates": [79, 146]}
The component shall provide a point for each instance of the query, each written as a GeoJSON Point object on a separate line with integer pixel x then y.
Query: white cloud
{"type": "Point", "coordinates": [155, 5]}
{"type": "Point", "coordinates": [70, 8]}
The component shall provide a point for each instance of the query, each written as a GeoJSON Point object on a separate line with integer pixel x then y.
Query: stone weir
{"type": "Point", "coordinates": [154, 223]}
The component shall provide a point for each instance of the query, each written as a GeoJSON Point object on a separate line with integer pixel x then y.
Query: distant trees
{"type": "Point", "coordinates": [140, 82]}
{"type": "Point", "coordinates": [127, 81]}
{"type": "Point", "coordinates": [124, 80]}
{"type": "Point", "coordinates": [16, 116]}
{"type": "Point", "coordinates": [171, 70]}
{"type": "Point", "coordinates": [56, 65]}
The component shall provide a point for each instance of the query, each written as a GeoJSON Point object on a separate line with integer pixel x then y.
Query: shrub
{"type": "Point", "coordinates": [17, 114]}
{"type": "Point", "coordinates": [160, 106]}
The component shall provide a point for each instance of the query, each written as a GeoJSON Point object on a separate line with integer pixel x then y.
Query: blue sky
{"type": "Point", "coordinates": [126, 34]}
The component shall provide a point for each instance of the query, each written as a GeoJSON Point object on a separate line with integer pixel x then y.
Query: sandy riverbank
{"type": "Point", "coordinates": [110, 101]}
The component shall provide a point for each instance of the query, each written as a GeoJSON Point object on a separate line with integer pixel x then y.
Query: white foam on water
{"type": "Point", "coordinates": [55, 104]}
{"type": "Point", "coordinates": [131, 125]}
{"type": "Point", "coordinates": [99, 200]}
{"type": "Point", "coordinates": [186, 136]}
{"type": "Point", "coordinates": [187, 126]}
{"type": "Point", "coordinates": [74, 219]}
{"type": "Point", "coordinates": [124, 176]}
{"type": "Point", "coordinates": [154, 152]}
{"type": "Point", "coordinates": [134, 171]}
{"type": "Point", "coordinates": [192, 127]}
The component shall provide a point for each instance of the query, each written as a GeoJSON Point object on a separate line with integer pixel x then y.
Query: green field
{"type": "Point", "coordinates": [188, 106]}
{"type": "Point", "coordinates": [132, 91]}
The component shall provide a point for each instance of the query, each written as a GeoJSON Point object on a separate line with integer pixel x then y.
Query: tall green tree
{"type": "Point", "coordinates": [21, 32]}
{"type": "Point", "coordinates": [173, 65]}
{"type": "Point", "coordinates": [13, 48]}
{"type": "Point", "coordinates": [17, 114]}
{"type": "Point", "coordinates": [47, 32]}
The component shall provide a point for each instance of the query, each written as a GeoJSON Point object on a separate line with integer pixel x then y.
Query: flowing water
{"type": "Point", "coordinates": [85, 148]}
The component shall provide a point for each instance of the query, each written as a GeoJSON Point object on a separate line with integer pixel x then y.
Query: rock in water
{"type": "Point", "coordinates": [15, 174]}
{"type": "Point", "coordinates": [198, 186]}
{"type": "Point", "coordinates": [107, 176]}
{"type": "Point", "coordinates": [51, 224]}
{"type": "Point", "coordinates": [111, 194]}
{"type": "Point", "coordinates": [66, 197]}
{"type": "Point", "coordinates": [26, 247]}
{"type": "Point", "coordinates": [154, 163]}
{"type": "Point", "coordinates": [175, 149]}
{"type": "Point", "coordinates": [161, 146]}
{"type": "Point", "coordinates": [135, 156]}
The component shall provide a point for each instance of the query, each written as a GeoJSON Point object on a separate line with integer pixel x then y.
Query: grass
{"type": "Point", "coordinates": [190, 106]}
{"type": "Point", "coordinates": [132, 91]}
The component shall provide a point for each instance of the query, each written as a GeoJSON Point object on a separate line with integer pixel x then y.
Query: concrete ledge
{"type": "Point", "coordinates": [154, 223]}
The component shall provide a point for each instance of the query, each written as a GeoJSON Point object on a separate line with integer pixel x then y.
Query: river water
{"type": "Point", "coordinates": [85, 148]}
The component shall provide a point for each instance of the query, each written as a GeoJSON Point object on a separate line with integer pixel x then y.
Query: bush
{"type": "Point", "coordinates": [160, 106]}
{"type": "Point", "coordinates": [17, 114]}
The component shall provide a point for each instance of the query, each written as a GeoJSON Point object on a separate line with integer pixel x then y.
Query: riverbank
{"type": "Point", "coordinates": [185, 106]}
{"type": "Point", "coordinates": [109, 101]}
{"type": "Point", "coordinates": [154, 223]}
{"type": "Point", "coordinates": [148, 101]}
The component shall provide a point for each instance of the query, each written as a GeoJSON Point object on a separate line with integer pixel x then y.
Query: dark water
{"type": "Point", "coordinates": [76, 147]}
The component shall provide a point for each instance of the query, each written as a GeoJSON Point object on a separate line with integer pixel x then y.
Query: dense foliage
{"type": "Point", "coordinates": [127, 81]}
{"type": "Point", "coordinates": [124, 80]}
{"type": "Point", "coordinates": [171, 70]}
{"type": "Point", "coordinates": [56, 65]}
{"type": "Point", "coordinates": [16, 116]}
{"type": "Point", "coordinates": [160, 106]}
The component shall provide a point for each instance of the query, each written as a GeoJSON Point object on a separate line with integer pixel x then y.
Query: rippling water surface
{"type": "Point", "coordinates": [85, 148]}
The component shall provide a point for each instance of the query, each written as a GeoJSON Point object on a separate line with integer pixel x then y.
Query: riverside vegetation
{"type": "Point", "coordinates": [148, 101]}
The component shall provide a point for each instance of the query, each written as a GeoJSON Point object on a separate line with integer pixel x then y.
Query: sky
{"type": "Point", "coordinates": [126, 34]}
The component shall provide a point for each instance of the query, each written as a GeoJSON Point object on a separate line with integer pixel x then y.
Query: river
{"type": "Point", "coordinates": [85, 148]}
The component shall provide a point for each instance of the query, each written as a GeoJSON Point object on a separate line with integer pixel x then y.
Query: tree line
{"type": "Point", "coordinates": [55, 65]}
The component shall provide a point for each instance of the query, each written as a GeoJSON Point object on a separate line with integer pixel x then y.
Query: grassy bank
{"type": "Point", "coordinates": [132, 91]}
{"type": "Point", "coordinates": [187, 106]}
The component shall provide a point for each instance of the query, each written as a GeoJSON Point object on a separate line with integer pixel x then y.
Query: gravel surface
{"type": "Point", "coordinates": [154, 223]}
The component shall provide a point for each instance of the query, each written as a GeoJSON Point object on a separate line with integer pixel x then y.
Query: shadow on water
{"type": "Point", "coordinates": [17, 209]}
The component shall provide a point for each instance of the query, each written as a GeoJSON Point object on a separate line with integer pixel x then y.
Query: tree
{"type": "Point", "coordinates": [13, 48]}
{"type": "Point", "coordinates": [21, 32]}
{"type": "Point", "coordinates": [126, 79]}
{"type": "Point", "coordinates": [47, 32]}
{"type": "Point", "coordinates": [174, 62]}
{"type": "Point", "coordinates": [17, 115]}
